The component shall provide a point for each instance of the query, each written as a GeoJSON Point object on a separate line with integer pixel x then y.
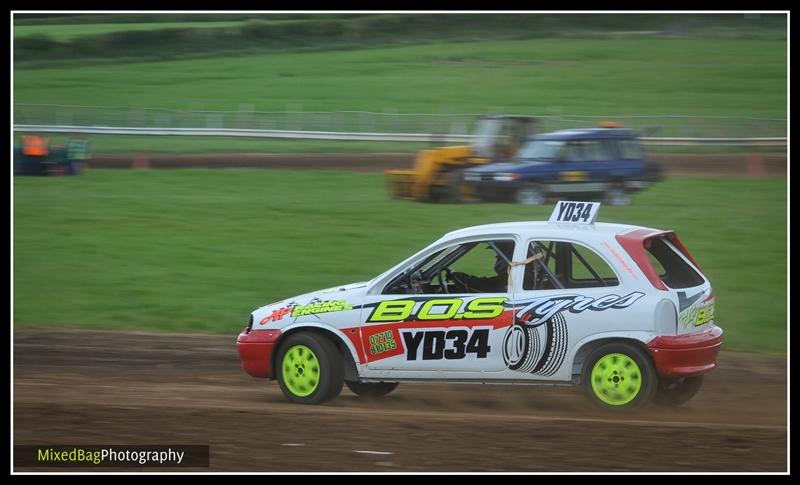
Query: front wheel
{"type": "Point", "coordinates": [371, 389]}
{"type": "Point", "coordinates": [309, 369]}
{"type": "Point", "coordinates": [453, 190]}
{"type": "Point", "coordinates": [619, 376]}
{"type": "Point", "coordinates": [678, 391]}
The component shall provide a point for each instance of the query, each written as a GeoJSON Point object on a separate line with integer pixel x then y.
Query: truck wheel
{"type": "Point", "coordinates": [309, 369]}
{"type": "Point", "coordinates": [618, 195]}
{"type": "Point", "coordinates": [452, 191]}
{"type": "Point", "coordinates": [619, 376]}
{"type": "Point", "coordinates": [530, 194]}
{"type": "Point", "coordinates": [678, 391]}
{"type": "Point", "coordinates": [371, 389]}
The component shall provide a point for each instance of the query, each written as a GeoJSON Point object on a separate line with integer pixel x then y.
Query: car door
{"type": "Point", "coordinates": [574, 168]}
{"type": "Point", "coordinates": [437, 329]}
{"type": "Point", "coordinates": [602, 163]}
{"type": "Point", "coordinates": [568, 294]}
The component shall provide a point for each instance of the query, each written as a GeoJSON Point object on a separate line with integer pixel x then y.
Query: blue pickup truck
{"type": "Point", "coordinates": [592, 162]}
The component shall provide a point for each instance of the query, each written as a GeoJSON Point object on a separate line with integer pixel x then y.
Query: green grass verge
{"type": "Point", "coordinates": [65, 32]}
{"type": "Point", "coordinates": [737, 78]}
{"type": "Point", "coordinates": [262, 33]}
{"type": "Point", "coordinates": [112, 144]}
{"type": "Point", "coordinates": [196, 250]}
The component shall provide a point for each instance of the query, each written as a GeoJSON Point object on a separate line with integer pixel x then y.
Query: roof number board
{"type": "Point", "coordinates": [575, 212]}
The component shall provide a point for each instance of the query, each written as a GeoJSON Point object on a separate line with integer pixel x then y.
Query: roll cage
{"type": "Point", "coordinates": [561, 252]}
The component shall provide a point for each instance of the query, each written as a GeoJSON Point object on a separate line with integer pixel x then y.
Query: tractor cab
{"type": "Point", "coordinates": [498, 137]}
{"type": "Point", "coordinates": [437, 172]}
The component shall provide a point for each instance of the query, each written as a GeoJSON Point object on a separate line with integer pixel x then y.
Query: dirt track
{"type": "Point", "coordinates": [81, 387]}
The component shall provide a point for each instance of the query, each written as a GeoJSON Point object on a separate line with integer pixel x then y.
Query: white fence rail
{"type": "Point", "coordinates": [360, 136]}
{"type": "Point", "coordinates": [389, 121]}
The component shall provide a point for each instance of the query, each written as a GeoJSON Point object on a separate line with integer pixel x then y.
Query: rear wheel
{"type": "Point", "coordinates": [309, 369]}
{"type": "Point", "coordinates": [675, 392]}
{"type": "Point", "coordinates": [618, 195]}
{"type": "Point", "coordinates": [619, 376]}
{"type": "Point", "coordinates": [371, 389]}
{"type": "Point", "coordinates": [530, 194]}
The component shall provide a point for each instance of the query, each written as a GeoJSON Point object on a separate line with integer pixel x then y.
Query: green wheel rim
{"type": "Point", "coordinates": [616, 379]}
{"type": "Point", "coordinates": [300, 370]}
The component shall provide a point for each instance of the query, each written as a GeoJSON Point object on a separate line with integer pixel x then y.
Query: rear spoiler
{"type": "Point", "coordinates": [636, 242]}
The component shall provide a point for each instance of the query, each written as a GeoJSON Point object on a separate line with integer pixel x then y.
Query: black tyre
{"type": "Point", "coordinates": [371, 389]}
{"type": "Point", "coordinates": [451, 190]}
{"type": "Point", "coordinates": [617, 195]}
{"type": "Point", "coordinates": [674, 392]}
{"type": "Point", "coordinates": [619, 376]}
{"type": "Point", "coordinates": [309, 369]}
{"type": "Point", "coordinates": [530, 194]}
{"type": "Point", "coordinates": [455, 186]}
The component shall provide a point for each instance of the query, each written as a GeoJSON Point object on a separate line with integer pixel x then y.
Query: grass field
{"type": "Point", "coordinates": [697, 77]}
{"type": "Point", "coordinates": [66, 32]}
{"type": "Point", "coordinates": [196, 250]}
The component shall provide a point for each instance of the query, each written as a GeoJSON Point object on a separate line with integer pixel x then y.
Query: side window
{"type": "Point", "coordinates": [588, 151]}
{"type": "Point", "coordinates": [560, 265]}
{"type": "Point", "coordinates": [573, 152]}
{"type": "Point", "coordinates": [601, 151]}
{"type": "Point", "coordinates": [588, 269]}
{"type": "Point", "coordinates": [473, 267]}
{"type": "Point", "coordinates": [630, 150]}
{"type": "Point", "coordinates": [478, 261]}
{"type": "Point", "coordinates": [482, 269]}
{"type": "Point", "coordinates": [542, 272]}
{"type": "Point", "coordinates": [612, 149]}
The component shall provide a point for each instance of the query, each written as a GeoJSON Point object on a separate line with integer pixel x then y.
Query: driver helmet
{"type": "Point", "coordinates": [500, 262]}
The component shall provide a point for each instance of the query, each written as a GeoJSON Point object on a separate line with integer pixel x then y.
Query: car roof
{"type": "Point", "coordinates": [543, 229]}
{"type": "Point", "coordinates": [587, 133]}
{"type": "Point", "coordinates": [508, 117]}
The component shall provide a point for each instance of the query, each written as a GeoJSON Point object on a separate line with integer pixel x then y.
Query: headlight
{"type": "Point", "coordinates": [506, 177]}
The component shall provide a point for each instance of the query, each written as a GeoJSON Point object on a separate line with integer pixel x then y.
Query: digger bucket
{"type": "Point", "coordinates": [401, 183]}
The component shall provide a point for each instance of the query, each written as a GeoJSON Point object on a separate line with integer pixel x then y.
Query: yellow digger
{"type": "Point", "coordinates": [437, 172]}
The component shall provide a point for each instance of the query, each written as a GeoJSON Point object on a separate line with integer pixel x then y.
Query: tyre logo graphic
{"type": "Point", "coordinates": [514, 346]}
{"type": "Point", "coordinates": [539, 349]}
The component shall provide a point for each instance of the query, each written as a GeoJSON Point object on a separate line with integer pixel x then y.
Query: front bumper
{"type": "Point", "coordinates": [492, 191]}
{"type": "Point", "coordinates": [255, 350]}
{"type": "Point", "coordinates": [686, 355]}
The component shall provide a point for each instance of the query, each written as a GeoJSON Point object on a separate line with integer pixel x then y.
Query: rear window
{"type": "Point", "coordinates": [671, 267]}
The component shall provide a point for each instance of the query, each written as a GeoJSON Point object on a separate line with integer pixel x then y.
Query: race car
{"type": "Point", "coordinates": [624, 311]}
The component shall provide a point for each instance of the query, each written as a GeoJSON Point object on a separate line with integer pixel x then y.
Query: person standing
{"type": "Point", "coordinates": [77, 153]}
{"type": "Point", "coordinates": [34, 153]}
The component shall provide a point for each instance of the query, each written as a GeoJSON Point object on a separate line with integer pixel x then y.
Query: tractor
{"type": "Point", "coordinates": [438, 172]}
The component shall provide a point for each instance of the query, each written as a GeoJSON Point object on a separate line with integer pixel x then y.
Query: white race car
{"type": "Point", "coordinates": [623, 310]}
